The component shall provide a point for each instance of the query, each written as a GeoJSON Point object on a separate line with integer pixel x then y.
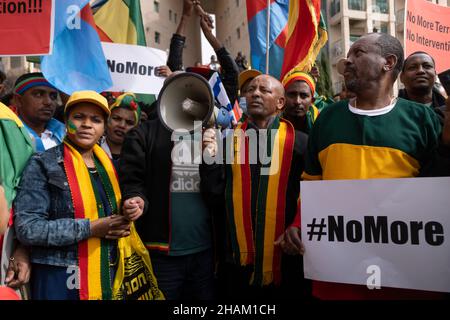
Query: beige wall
{"type": "Point", "coordinates": [160, 22]}
{"type": "Point", "coordinates": [230, 17]}
{"type": "Point", "coordinates": [14, 67]}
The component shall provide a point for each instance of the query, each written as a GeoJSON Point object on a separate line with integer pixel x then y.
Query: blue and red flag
{"type": "Point", "coordinates": [77, 61]}
{"type": "Point", "coordinates": [257, 26]}
{"type": "Point", "coordinates": [306, 35]}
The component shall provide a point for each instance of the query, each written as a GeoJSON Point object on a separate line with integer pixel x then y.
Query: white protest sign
{"type": "Point", "coordinates": [397, 230]}
{"type": "Point", "coordinates": [132, 67]}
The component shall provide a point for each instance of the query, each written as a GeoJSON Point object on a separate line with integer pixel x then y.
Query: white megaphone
{"type": "Point", "coordinates": [185, 98]}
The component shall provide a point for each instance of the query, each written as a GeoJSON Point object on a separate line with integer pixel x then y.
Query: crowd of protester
{"type": "Point", "coordinates": [213, 231]}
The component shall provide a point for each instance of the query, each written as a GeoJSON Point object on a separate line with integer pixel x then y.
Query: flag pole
{"type": "Point", "coordinates": [268, 37]}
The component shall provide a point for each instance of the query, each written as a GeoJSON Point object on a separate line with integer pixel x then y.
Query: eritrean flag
{"type": "Point", "coordinates": [257, 11]}
{"type": "Point", "coordinates": [77, 62]}
{"type": "Point", "coordinates": [306, 35]}
{"type": "Point", "coordinates": [119, 21]}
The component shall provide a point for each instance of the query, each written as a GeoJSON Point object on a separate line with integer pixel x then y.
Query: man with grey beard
{"type": "Point", "coordinates": [375, 135]}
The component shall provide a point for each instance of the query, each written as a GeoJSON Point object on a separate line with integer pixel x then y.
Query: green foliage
{"type": "Point", "coordinates": [324, 85]}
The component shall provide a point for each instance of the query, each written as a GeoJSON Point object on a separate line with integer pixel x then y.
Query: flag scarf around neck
{"type": "Point", "coordinates": [93, 256]}
{"type": "Point", "coordinates": [254, 244]}
{"type": "Point", "coordinates": [306, 35]}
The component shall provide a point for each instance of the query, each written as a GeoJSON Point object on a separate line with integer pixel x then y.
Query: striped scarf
{"type": "Point", "coordinates": [93, 253]}
{"type": "Point", "coordinates": [254, 244]}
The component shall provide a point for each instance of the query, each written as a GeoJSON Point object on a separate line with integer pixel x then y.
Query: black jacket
{"type": "Point", "coordinates": [175, 58]}
{"type": "Point", "coordinates": [145, 171]}
{"type": "Point", "coordinates": [437, 103]}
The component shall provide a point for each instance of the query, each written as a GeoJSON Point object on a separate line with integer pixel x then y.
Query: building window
{"type": "Point", "coordinates": [353, 38]}
{"type": "Point", "coordinates": [175, 17]}
{"type": "Point", "coordinates": [238, 33]}
{"type": "Point", "coordinates": [157, 37]}
{"type": "Point", "coordinates": [380, 27]}
{"type": "Point", "coordinates": [156, 6]}
{"type": "Point", "coordinates": [170, 15]}
{"type": "Point", "coordinates": [381, 6]}
{"type": "Point", "coordinates": [237, 3]}
{"type": "Point", "coordinates": [359, 5]}
{"type": "Point", "coordinates": [335, 7]}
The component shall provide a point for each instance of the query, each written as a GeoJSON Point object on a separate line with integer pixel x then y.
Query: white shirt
{"type": "Point", "coordinates": [375, 112]}
{"type": "Point", "coordinates": [48, 140]}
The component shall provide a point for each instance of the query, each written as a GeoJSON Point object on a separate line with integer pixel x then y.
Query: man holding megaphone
{"type": "Point", "coordinates": [159, 175]}
{"type": "Point", "coordinates": [160, 182]}
{"type": "Point", "coordinates": [258, 200]}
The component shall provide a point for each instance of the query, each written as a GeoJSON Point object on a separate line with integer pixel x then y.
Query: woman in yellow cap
{"type": "Point", "coordinates": [67, 209]}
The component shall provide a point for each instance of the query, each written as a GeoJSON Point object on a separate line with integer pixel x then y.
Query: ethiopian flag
{"type": "Point", "coordinates": [119, 21]}
{"type": "Point", "coordinates": [306, 35]}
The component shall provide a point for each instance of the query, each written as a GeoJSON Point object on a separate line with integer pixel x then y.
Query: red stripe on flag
{"type": "Point", "coordinates": [281, 39]}
{"type": "Point", "coordinates": [237, 111]}
{"type": "Point", "coordinates": [246, 199]}
{"type": "Point", "coordinates": [246, 202]}
{"type": "Point", "coordinates": [78, 208]}
{"type": "Point", "coordinates": [300, 42]}
{"type": "Point", "coordinates": [87, 16]}
{"type": "Point", "coordinates": [255, 6]}
{"type": "Point", "coordinates": [281, 206]}
{"type": "Point", "coordinates": [103, 36]}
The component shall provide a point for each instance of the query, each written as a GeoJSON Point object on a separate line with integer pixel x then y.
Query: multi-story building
{"type": "Point", "coordinates": [346, 19]}
{"type": "Point", "coordinates": [232, 27]}
{"type": "Point", "coordinates": [161, 18]}
{"type": "Point", "coordinates": [349, 19]}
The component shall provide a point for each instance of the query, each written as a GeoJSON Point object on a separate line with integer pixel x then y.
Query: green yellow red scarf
{"type": "Point", "coordinates": [254, 244]}
{"type": "Point", "coordinates": [93, 253]}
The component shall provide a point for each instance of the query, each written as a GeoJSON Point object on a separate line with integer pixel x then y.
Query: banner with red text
{"type": "Point", "coordinates": [26, 27]}
{"type": "Point", "coordinates": [427, 28]}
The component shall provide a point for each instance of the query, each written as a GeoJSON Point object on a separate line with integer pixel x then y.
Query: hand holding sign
{"type": "Point", "coordinates": [290, 241]}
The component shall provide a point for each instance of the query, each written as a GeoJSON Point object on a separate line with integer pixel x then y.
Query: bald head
{"type": "Point", "coordinates": [265, 97]}
{"type": "Point", "coordinates": [275, 83]}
